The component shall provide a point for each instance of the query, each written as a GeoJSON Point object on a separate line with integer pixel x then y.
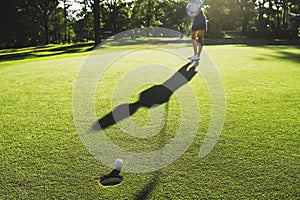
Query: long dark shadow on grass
{"type": "Point", "coordinates": [147, 190]}
{"type": "Point", "coordinates": [283, 55]}
{"type": "Point", "coordinates": [154, 96]}
{"type": "Point", "coordinates": [157, 175]}
{"type": "Point", "coordinates": [49, 51]}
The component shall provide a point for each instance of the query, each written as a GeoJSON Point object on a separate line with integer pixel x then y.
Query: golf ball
{"type": "Point", "coordinates": [118, 163]}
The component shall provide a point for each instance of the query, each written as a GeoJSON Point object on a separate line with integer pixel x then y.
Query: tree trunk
{"type": "Point", "coordinates": [285, 15]}
{"type": "Point", "coordinates": [65, 24]}
{"type": "Point", "coordinates": [149, 13]}
{"type": "Point", "coordinates": [46, 29]}
{"type": "Point", "coordinates": [244, 26]}
{"type": "Point", "coordinates": [97, 22]}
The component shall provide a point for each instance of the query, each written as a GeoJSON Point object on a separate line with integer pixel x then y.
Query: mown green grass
{"type": "Point", "coordinates": [256, 157]}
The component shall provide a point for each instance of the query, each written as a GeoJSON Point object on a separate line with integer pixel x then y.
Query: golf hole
{"type": "Point", "coordinates": [111, 181]}
{"type": "Point", "coordinates": [113, 178]}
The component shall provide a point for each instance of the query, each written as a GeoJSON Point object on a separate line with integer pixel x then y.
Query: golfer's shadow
{"type": "Point", "coordinates": [149, 98]}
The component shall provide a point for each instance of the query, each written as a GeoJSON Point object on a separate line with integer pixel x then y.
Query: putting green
{"type": "Point", "coordinates": [257, 155]}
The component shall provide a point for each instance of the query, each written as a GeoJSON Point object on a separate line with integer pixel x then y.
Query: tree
{"type": "Point", "coordinates": [171, 14]}
{"type": "Point", "coordinates": [144, 13]}
{"type": "Point", "coordinates": [56, 26]}
{"type": "Point", "coordinates": [96, 9]}
{"type": "Point", "coordinates": [116, 16]}
{"type": "Point", "coordinates": [218, 10]}
{"type": "Point", "coordinates": [95, 6]}
{"type": "Point", "coordinates": [21, 26]}
{"type": "Point", "coordinates": [8, 17]}
{"type": "Point", "coordinates": [65, 6]}
{"type": "Point", "coordinates": [273, 17]}
{"type": "Point", "coordinates": [44, 9]}
{"type": "Point", "coordinates": [84, 28]}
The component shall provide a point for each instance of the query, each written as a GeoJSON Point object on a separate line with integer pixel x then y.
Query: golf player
{"type": "Point", "coordinates": [199, 27]}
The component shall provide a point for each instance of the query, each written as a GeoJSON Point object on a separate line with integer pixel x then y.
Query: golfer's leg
{"type": "Point", "coordinates": [194, 41]}
{"type": "Point", "coordinates": [201, 41]}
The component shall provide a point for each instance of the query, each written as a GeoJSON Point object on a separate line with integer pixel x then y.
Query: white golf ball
{"type": "Point", "coordinates": [118, 163]}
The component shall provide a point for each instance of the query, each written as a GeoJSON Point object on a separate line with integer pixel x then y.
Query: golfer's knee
{"type": "Point", "coordinates": [200, 40]}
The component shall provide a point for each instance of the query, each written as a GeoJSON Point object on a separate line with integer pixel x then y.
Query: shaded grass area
{"type": "Point", "coordinates": [284, 53]}
{"type": "Point", "coordinates": [257, 156]}
{"type": "Point", "coordinates": [44, 51]}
